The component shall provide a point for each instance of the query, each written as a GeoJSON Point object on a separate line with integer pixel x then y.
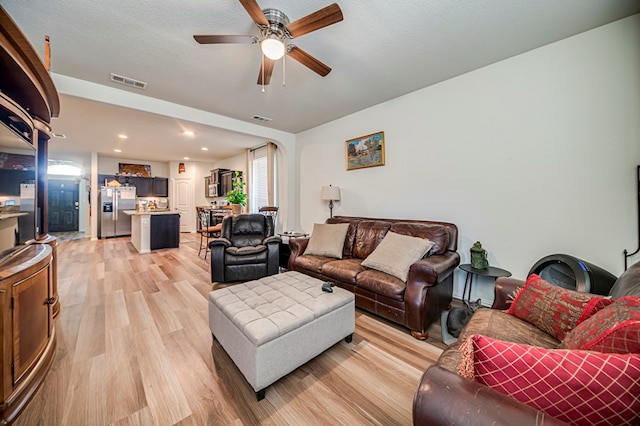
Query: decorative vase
{"type": "Point", "coordinates": [236, 208]}
{"type": "Point", "coordinates": [479, 256]}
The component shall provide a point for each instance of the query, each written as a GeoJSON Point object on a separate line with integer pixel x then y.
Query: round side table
{"type": "Point", "coordinates": [472, 272]}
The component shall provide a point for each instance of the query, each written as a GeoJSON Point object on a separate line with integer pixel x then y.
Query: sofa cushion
{"type": "Point", "coordinates": [499, 325]}
{"type": "Point", "coordinates": [627, 284]}
{"type": "Point", "coordinates": [327, 240]}
{"type": "Point", "coordinates": [344, 270]}
{"type": "Point", "coordinates": [578, 387]}
{"type": "Point", "coordinates": [349, 240]}
{"type": "Point", "coordinates": [381, 283]}
{"type": "Point", "coordinates": [438, 234]}
{"type": "Point", "coordinates": [246, 255]}
{"type": "Point", "coordinates": [554, 309]}
{"type": "Point", "coordinates": [396, 253]}
{"type": "Point", "coordinates": [311, 263]}
{"type": "Point", "coordinates": [614, 329]}
{"type": "Point", "coordinates": [368, 235]}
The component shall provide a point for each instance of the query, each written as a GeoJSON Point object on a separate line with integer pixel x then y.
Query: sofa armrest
{"type": "Point", "coordinates": [423, 304]}
{"type": "Point", "coordinates": [272, 239]}
{"type": "Point", "coordinates": [433, 269]}
{"type": "Point", "coordinates": [297, 247]}
{"type": "Point", "coordinates": [504, 290]}
{"type": "Point", "coordinates": [444, 398]}
{"type": "Point", "coordinates": [217, 242]}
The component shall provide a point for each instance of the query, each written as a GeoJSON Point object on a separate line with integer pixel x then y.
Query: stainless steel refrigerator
{"type": "Point", "coordinates": [113, 222]}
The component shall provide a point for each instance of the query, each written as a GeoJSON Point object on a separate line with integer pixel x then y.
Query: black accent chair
{"type": "Point", "coordinates": [246, 250]}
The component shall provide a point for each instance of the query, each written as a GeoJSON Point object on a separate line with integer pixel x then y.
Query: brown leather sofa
{"type": "Point", "coordinates": [414, 304]}
{"type": "Point", "coordinates": [444, 397]}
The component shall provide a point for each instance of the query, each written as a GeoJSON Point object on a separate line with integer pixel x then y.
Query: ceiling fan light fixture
{"type": "Point", "coordinates": [272, 47]}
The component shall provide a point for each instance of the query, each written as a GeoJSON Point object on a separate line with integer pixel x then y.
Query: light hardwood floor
{"type": "Point", "coordinates": [134, 348]}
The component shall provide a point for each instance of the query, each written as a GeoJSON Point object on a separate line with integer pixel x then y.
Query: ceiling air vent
{"type": "Point", "coordinates": [261, 118]}
{"type": "Point", "coordinates": [128, 81]}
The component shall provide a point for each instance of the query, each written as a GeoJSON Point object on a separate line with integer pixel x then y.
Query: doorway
{"type": "Point", "coordinates": [63, 205]}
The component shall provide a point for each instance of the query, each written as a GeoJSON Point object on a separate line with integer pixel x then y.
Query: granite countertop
{"type": "Point", "coordinates": [10, 215]}
{"type": "Point", "coordinates": [150, 212]}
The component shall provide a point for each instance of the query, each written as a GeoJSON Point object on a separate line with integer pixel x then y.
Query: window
{"type": "Point", "coordinates": [262, 182]}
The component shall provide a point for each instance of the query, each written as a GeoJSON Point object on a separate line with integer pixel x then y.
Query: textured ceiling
{"type": "Point", "coordinates": [383, 49]}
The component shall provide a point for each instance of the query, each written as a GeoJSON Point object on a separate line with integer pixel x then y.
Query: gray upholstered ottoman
{"type": "Point", "coordinates": [271, 326]}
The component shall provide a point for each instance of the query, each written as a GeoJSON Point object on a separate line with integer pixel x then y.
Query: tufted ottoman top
{"type": "Point", "coordinates": [267, 308]}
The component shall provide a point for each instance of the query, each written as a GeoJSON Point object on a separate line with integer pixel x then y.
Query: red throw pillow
{"type": "Point", "coordinates": [577, 387]}
{"type": "Point", "coordinates": [615, 329]}
{"type": "Point", "coordinates": [554, 310]}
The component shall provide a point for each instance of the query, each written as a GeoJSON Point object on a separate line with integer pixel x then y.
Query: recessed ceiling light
{"type": "Point", "coordinates": [186, 158]}
{"type": "Point", "coordinates": [188, 133]}
{"type": "Point", "coordinates": [204, 148]}
{"type": "Point", "coordinates": [58, 135]}
{"type": "Point", "coordinates": [122, 136]}
{"type": "Point", "coordinates": [117, 150]}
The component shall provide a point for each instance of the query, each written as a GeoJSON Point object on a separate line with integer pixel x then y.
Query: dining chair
{"type": "Point", "coordinates": [207, 231]}
{"type": "Point", "coordinates": [270, 211]}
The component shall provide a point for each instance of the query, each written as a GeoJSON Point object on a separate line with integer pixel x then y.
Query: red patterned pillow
{"type": "Point", "coordinates": [554, 310]}
{"type": "Point", "coordinates": [577, 387]}
{"type": "Point", "coordinates": [615, 329]}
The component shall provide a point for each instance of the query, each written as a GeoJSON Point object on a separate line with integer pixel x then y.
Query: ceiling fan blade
{"type": "Point", "coordinates": [216, 39]}
{"type": "Point", "coordinates": [319, 19]}
{"type": "Point", "coordinates": [308, 61]}
{"type": "Point", "coordinates": [267, 67]}
{"type": "Point", "coordinates": [252, 8]}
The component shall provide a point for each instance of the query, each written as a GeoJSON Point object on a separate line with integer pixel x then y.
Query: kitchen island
{"type": "Point", "coordinates": [154, 229]}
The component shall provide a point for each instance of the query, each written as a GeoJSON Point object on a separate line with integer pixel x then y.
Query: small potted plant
{"type": "Point", "coordinates": [236, 196]}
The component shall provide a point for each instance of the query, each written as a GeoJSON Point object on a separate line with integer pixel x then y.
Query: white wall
{"type": "Point", "coordinates": [532, 156]}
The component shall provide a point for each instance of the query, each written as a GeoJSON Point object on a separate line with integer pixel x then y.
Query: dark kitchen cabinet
{"type": "Point", "coordinates": [226, 182]}
{"type": "Point", "coordinates": [165, 231]}
{"type": "Point", "coordinates": [144, 187]}
{"type": "Point", "coordinates": [160, 187]}
{"type": "Point", "coordinates": [10, 180]}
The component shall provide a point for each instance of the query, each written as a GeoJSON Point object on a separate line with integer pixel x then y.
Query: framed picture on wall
{"type": "Point", "coordinates": [365, 151]}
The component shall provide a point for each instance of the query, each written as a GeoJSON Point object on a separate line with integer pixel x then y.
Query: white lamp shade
{"type": "Point", "coordinates": [331, 193]}
{"type": "Point", "coordinates": [272, 48]}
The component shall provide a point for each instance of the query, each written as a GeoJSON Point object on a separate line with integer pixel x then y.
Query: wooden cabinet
{"type": "Point", "coordinates": [226, 182]}
{"type": "Point", "coordinates": [213, 186]}
{"type": "Point", "coordinates": [27, 333]}
{"type": "Point", "coordinates": [165, 231]}
{"type": "Point", "coordinates": [160, 187]}
{"type": "Point", "coordinates": [11, 180]}
{"type": "Point", "coordinates": [145, 187]}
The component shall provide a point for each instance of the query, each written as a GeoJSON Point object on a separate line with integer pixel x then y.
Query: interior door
{"type": "Point", "coordinates": [184, 204]}
{"type": "Point", "coordinates": [63, 205]}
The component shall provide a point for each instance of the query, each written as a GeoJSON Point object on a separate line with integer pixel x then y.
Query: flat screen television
{"type": "Point", "coordinates": [18, 201]}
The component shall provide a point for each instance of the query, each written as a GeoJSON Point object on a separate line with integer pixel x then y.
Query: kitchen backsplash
{"type": "Point", "coordinates": [155, 203]}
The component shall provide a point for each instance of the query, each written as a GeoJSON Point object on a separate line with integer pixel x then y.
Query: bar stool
{"type": "Point", "coordinates": [207, 231]}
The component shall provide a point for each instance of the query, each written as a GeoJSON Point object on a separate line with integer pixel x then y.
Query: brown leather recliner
{"type": "Point", "coordinates": [246, 249]}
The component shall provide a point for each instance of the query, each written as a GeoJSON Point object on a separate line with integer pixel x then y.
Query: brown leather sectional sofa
{"type": "Point", "coordinates": [414, 304]}
{"type": "Point", "coordinates": [444, 397]}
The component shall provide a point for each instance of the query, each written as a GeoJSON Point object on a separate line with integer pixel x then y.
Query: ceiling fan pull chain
{"type": "Point", "coordinates": [284, 71]}
{"type": "Point", "coordinates": [262, 69]}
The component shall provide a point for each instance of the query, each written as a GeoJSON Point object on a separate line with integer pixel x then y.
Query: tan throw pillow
{"type": "Point", "coordinates": [396, 253]}
{"type": "Point", "coordinates": [327, 240]}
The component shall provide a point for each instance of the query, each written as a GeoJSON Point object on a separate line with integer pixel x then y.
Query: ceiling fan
{"type": "Point", "coordinates": [275, 28]}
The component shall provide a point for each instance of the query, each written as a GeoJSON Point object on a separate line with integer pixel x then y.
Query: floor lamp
{"type": "Point", "coordinates": [331, 194]}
